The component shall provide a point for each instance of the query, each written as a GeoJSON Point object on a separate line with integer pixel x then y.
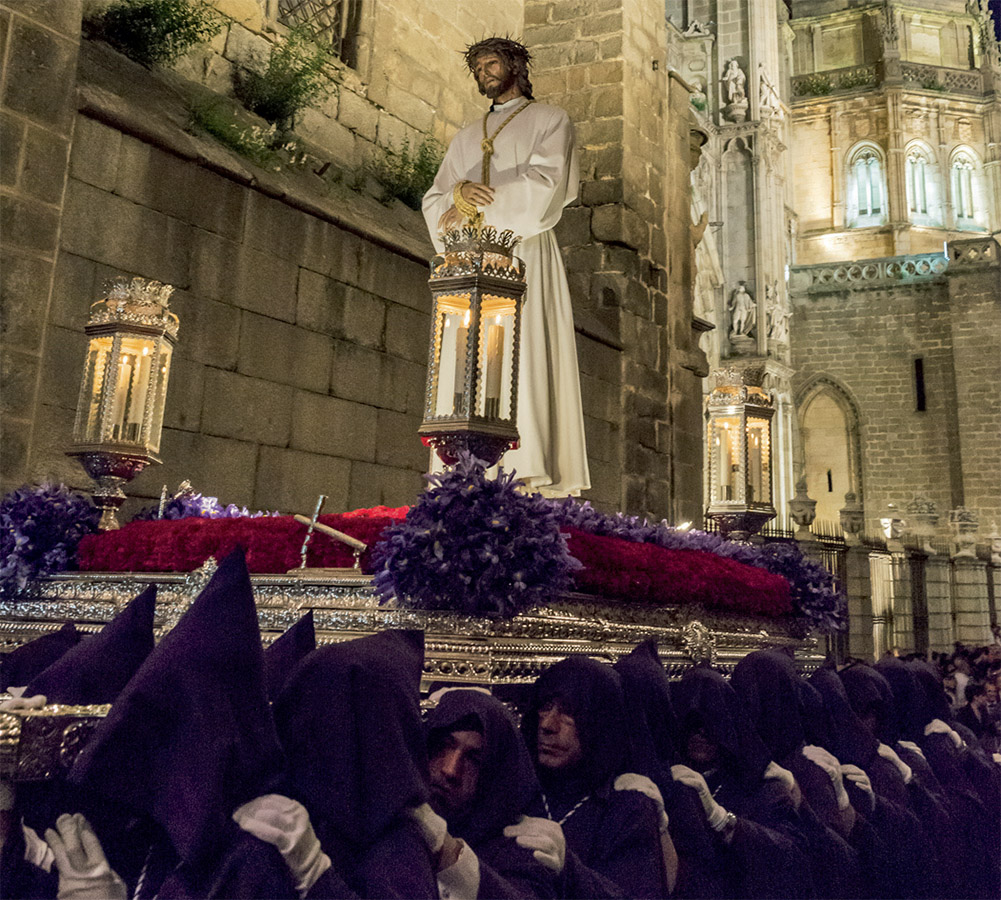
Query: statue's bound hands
{"type": "Point", "coordinates": [480, 194]}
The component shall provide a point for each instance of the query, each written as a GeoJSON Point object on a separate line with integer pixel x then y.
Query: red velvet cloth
{"type": "Point", "coordinates": [613, 567]}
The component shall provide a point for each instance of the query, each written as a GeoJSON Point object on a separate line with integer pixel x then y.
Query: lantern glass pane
{"type": "Point", "coordinates": [496, 358]}
{"type": "Point", "coordinates": [128, 381]}
{"type": "Point", "coordinates": [158, 388]}
{"type": "Point", "coordinates": [759, 480]}
{"type": "Point", "coordinates": [88, 410]}
{"type": "Point", "coordinates": [452, 344]}
{"type": "Point", "coordinates": [724, 456]}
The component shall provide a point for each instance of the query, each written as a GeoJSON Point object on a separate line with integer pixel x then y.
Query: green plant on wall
{"type": "Point", "coordinates": [407, 173]}
{"type": "Point", "coordinates": [155, 32]}
{"type": "Point", "coordinates": [295, 78]}
{"type": "Point", "coordinates": [263, 145]}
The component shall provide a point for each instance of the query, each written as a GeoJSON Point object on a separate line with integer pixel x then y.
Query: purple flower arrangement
{"type": "Point", "coordinates": [40, 527]}
{"type": "Point", "coordinates": [189, 505]}
{"type": "Point", "coordinates": [814, 594]}
{"type": "Point", "coordinates": [474, 545]}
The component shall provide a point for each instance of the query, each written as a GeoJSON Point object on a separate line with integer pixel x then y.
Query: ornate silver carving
{"type": "Point", "coordinates": [699, 642]}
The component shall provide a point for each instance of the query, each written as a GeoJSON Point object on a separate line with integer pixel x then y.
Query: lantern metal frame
{"type": "Point", "coordinates": [476, 274]}
{"type": "Point", "coordinates": [739, 396]}
{"type": "Point", "coordinates": [135, 310]}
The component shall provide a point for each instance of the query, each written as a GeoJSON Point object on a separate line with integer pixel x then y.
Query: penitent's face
{"type": "Point", "coordinates": [493, 75]}
{"type": "Point", "coordinates": [558, 743]}
{"type": "Point", "coordinates": [455, 772]}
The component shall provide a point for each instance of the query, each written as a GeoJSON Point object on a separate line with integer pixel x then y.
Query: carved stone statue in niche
{"type": "Point", "coordinates": [743, 312]}
{"type": "Point", "coordinates": [735, 82]}
{"type": "Point", "coordinates": [777, 314]}
{"type": "Point", "coordinates": [708, 270]}
{"type": "Point", "coordinates": [768, 95]}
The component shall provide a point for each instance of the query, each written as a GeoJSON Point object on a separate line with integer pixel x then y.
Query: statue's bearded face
{"type": "Point", "coordinates": [493, 75]}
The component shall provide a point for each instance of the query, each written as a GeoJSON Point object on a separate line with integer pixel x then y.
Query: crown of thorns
{"type": "Point", "coordinates": [511, 49]}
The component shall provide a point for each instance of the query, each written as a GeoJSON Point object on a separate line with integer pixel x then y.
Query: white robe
{"type": "Point", "coordinates": [534, 174]}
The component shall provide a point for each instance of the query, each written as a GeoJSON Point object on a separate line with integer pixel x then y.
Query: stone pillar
{"type": "Point", "coordinates": [37, 106]}
{"type": "Point", "coordinates": [604, 62]}
{"type": "Point", "coordinates": [969, 589]}
{"type": "Point", "coordinates": [858, 587]}
{"type": "Point", "coordinates": [939, 592]}
{"type": "Point", "coordinates": [903, 610]}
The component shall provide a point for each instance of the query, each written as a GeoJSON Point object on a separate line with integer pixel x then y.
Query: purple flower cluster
{"type": "Point", "coordinates": [474, 545]}
{"type": "Point", "coordinates": [40, 528]}
{"type": "Point", "coordinates": [191, 505]}
{"type": "Point", "coordinates": [814, 595]}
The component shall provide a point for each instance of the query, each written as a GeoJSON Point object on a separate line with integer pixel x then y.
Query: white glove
{"type": "Point", "coordinates": [35, 702]}
{"type": "Point", "coordinates": [889, 753]}
{"type": "Point", "coordinates": [937, 726]}
{"type": "Point", "coordinates": [630, 781]}
{"type": "Point", "coordinates": [36, 851]}
{"type": "Point", "coordinates": [996, 757]}
{"type": "Point", "coordinates": [433, 827]}
{"type": "Point", "coordinates": [910, 745]}
{"type": "Point", "coordinates": [461, 880]}
{"type": "Point", "coordinates": [542, 836]}
{"type": "Point", "coordinates": [716, 815]}
{"type": "Point", "coordinates": [284, 823]}
{"type": "Point", "coordinates": [858, 777]}
{"type": "Point", "coordinates": [829, 763]}
{"type": "Point", "coordinates": [84, 873]}
{"type": "Point", "coordinates": [777, 773]}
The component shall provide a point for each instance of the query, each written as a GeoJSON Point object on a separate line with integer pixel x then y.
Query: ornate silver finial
{"type": "Point", "coordinates": [699, 642]}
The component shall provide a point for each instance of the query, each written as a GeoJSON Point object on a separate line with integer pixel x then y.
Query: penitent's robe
{"type": "Point", "coordinates": [533, 172]}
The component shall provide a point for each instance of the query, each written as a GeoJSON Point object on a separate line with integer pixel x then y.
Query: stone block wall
{"type": "Point", "coordinates": [975, 306]}
{"type": "Point", "coordinates": [38, 55]}
{"type": "Point", "coordinates": [409, 80]}
{"type": "Point", "coordinates": [603, 61]}
{"type": "Point", "coordinates": [866, 341]}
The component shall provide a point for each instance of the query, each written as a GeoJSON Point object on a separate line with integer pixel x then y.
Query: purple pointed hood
{"type": "Point", "coordinates": [97, 668]}
{"type": "Point", "coordinates": [18, 667]}
{"type": "Point", "coordinates": [191, 736]}
{"type": "Point", "coordinates": [349, 721]}
{"type": "Point", "coordinates": [286, 651]}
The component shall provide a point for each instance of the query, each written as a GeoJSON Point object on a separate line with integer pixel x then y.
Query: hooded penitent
{"type": "Point", "coordinates": [19, 666]}
{"type": "Point", "coordinates": [703, 699]}
{"type": "Point", "coordinates": [592, 693]}
{"type": "Point", "coordinates": [285, 652]}
{"type": "Point", "coordinates": [507, 787]}
{"type": "Point", "coordinates": [191, 736]}
{"type": "Point", "coordinates": [97, 668]}
{"type": "Point", "coordinates": [349, 721]}
{"type": "Point", "coordinates": [648, 693]}
{"type": "Point", "coordinates": [768, 685]}
{"type": "Point", "coordinates": [870, 695]}
{"type": "Point", "coordinates": [910, 709]}
{"type": "Point", "coordinates": [851, 742]}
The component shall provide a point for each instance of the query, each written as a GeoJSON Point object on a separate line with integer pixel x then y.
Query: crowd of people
{"type": "Point", "coordinates": [226, 770]}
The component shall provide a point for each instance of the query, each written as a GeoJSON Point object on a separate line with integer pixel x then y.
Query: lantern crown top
{"type": "Point", "coordinates": [485, 239]}
{"type": "Point", "coordinates": [479, 250]}
{"type": "Point", "coordinates": [740, 384]}
{"type": "Point", "coordinates": [136, 302]}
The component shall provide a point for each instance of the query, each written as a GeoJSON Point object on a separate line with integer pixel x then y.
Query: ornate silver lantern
{"type": "Point", "coordinates": [120, 411]}
{"type": "Point", "coordinates": [739, 434]}
{"type": "Point", "coordinates": [471, 401]}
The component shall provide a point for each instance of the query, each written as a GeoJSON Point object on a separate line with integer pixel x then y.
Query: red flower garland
{"type": "Point", "coordinates": [613, 567]}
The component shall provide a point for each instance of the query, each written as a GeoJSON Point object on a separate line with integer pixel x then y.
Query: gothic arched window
{"type": "Point", "coordinates": [866, 191]}
{"type": "Point", "coordinates": [922, 186]}
{"type": "Point", "coordinates": [966, 190]}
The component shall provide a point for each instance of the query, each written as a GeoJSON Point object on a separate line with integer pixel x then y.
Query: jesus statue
{"type": "Point", "coordinates": [518, 167]}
